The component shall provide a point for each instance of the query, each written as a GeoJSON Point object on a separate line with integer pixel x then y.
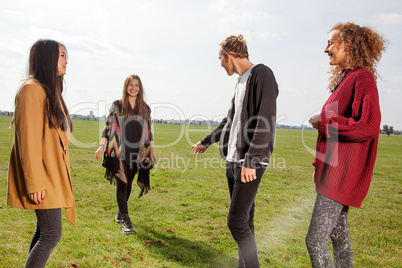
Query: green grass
{"type": "Point", "coordinates": [182, 220]}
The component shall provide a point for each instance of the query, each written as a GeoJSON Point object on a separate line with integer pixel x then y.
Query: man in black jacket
{"type": "Point", "coordinates": [246, 140]}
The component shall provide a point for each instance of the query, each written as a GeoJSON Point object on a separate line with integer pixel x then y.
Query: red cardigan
{"type": "Point", "coordinates": [347, 140]}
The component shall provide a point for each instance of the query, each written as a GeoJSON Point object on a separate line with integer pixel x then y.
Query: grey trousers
{"type": "Point", "coordinates": [329, 220]}
{"type": "Point", "coordinates": [46, 237]}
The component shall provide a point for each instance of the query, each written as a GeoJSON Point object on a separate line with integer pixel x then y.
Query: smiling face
{"type": "Point", "coordinates": [133, 88]}
{"type": "Point", "coordinates": [62, 62]}
{"type": "Point", "coordinates": [336, 50]}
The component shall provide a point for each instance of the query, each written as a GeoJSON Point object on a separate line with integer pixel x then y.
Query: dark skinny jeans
{"type": "Point", "coordinates": [241, 213]}
{"type": "Point", "coordinates": [45, 238]}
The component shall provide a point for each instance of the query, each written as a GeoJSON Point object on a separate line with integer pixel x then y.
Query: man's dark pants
{"type": "Point", "coordinates": [241, 212]}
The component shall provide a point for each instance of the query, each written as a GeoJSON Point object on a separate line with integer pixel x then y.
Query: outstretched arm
{"type": "Point", "coordinates": [198, 148]}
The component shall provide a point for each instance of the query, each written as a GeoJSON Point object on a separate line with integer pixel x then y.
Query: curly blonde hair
{"type": "Point", "coordinates": [235, 46]}
{"type": "Point", "coordinates": [364, 48]}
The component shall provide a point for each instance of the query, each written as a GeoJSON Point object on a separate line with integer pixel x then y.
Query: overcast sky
{"type": "Point", "coordinates": [173, 46]}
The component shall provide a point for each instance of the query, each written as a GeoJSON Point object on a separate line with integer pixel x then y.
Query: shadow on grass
{"type": "Point", "coordinates": [188, 253]}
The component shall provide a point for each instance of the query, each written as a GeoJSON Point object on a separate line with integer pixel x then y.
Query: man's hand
{"type": "Point", "coordinates": [314, 120]}
{"type": "Point", "coordinates": [248, 174]}
{"type": "Point", "coordinates": [37, 197]}
{"type": "Point", "coordinates": [198, 148]}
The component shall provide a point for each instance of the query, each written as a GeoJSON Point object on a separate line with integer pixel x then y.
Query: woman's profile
{"type": "Point", "coordinates": [348, 131]}
{"type": "Point", "coordinates": [39, 173]}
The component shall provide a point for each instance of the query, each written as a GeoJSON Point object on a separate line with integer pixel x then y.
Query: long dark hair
{"type": "Point", "coordinates": [140, 104]}
{"type": "Point", "coordinates": [43, 66]}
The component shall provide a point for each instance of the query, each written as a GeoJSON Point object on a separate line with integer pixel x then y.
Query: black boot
{"type": "Point", "coordinates": [127, 227]}
{"type": "Point", "coordinates": [118, 218]}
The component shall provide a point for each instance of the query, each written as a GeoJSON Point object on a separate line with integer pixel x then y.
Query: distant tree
{"type": "Point", "coordinates": [385, 128]}
{"type": "Point", "coordinates": [391, 129]}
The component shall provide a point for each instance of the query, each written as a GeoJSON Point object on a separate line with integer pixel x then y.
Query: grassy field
{"type": "Point", "coordinates": [182, 220]}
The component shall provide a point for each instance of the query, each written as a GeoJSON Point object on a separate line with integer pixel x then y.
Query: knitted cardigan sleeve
{"type": "Point", "coordinates": [363, 123]}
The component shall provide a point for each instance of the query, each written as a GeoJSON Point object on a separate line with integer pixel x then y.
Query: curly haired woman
{"type": "Point", "coordinates": [348, 130]}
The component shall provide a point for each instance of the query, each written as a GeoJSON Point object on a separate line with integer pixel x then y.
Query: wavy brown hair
{"type": "Point", "coordinates": [140, 103]}
{"type": "Point", "coordinates": [364, 48]}
{"type": "Point", "coordinates": [235, 46]}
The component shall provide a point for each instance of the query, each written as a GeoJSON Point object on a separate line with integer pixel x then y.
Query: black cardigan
{"type": "Point", "coordinates": [255, 141]}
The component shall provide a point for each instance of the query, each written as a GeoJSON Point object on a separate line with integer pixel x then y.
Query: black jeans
{"type": "Point", "coordinates": [241, 213]}
{"type": "Point", "coordinates": [329, 220]}
{"type": "Point", "coordinates": [45, 238]}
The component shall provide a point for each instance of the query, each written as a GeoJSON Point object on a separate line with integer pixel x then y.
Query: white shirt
{"type": "Point", "coordinates": [240, 91]}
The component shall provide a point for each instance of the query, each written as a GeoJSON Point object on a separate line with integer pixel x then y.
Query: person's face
{"type": "Point", "coordinates": [133, 88]}
{"type": "Point", "coordinates": [226, 63]}
{"type": "Point", "coordinates": [336, 50]}
{"type": "Point", "coordinates": [62, 63]}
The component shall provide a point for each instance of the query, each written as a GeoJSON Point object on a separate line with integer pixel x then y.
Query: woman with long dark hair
{"type": "Point", "coordinates": [348, 130]}
{"type": "Point", "coordinates": [39, 173]}
{"type": "Point", "coordinates": [127, 146]}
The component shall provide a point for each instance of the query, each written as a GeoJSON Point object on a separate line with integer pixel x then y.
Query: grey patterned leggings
{"type": "Point", "coordinates": [329, 220]}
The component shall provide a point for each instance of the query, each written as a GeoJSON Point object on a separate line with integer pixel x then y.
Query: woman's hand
{"type": "Point", "coordinates": [37, 197]}
{"type": "Point", "coordinates": [102, 145]}
{"type": "Point", "coordinates": [314, 120]}
{"type": "Point", "coordinates": [151, 153]}
{"type": "Point", "coordinates": [153, 158]}
{"type": "Point", "coordinates": [99, 152]}
{"type": "Point", "coordinates": [198, 148]}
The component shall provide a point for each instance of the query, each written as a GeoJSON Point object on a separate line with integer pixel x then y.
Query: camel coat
{"type": "Point", "coordinates": [39, 156]}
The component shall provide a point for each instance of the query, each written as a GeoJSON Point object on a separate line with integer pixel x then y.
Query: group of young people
{"type": "Point", "coordinates": [348, 130]}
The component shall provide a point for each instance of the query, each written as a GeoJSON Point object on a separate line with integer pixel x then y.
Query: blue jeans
{"type": "Point", "coordinates": [241, 213]}
{"type": "Point", "coordinates": [45, 238]}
